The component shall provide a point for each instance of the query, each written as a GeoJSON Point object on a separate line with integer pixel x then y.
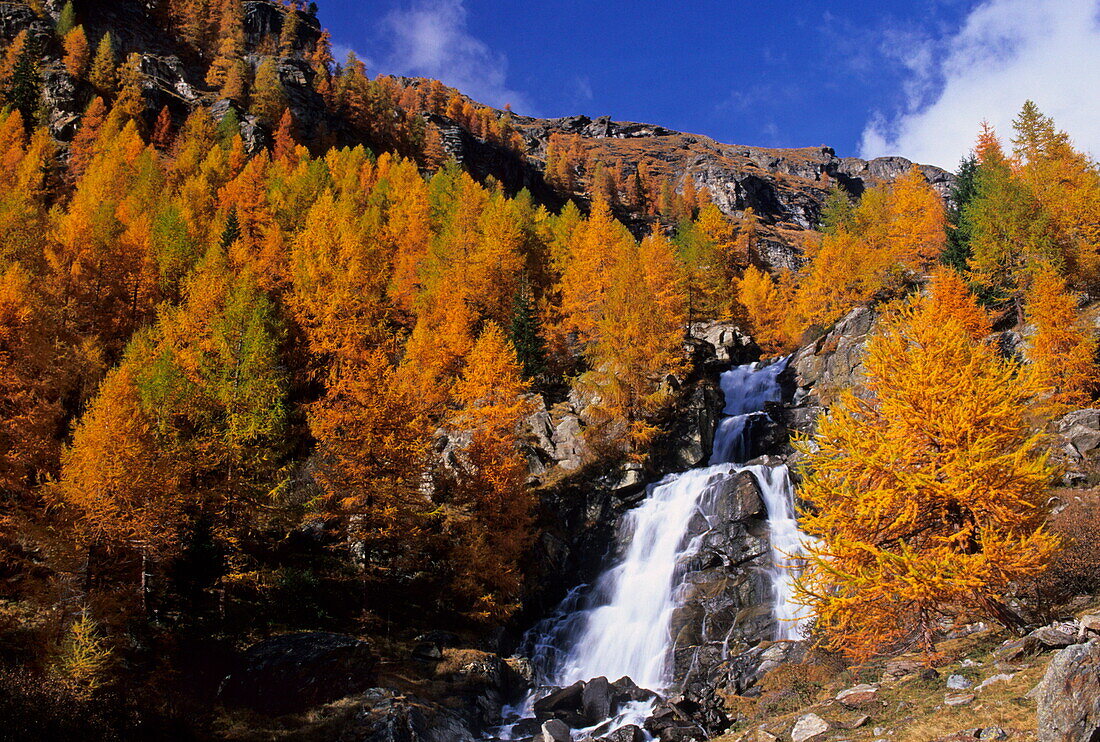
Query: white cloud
{"type": "Point", "coordinates": [431, 39]}
{"type": "Point", "coordinates": [1006, 52]}
{"type": "Point", "coordinates": [340, 54]}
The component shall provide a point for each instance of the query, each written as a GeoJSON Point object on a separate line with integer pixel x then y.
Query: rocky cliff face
{"type": "Point", "coordinates": [171, 76]}
{"type": "Point", "coordinates": [786, 188]}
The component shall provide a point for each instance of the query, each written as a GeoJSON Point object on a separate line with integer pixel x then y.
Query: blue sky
{"type": "Point", "coordinates": [867, 78]}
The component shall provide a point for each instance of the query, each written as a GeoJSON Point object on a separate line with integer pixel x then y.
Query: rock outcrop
{"type": "Point", "coordinates": [1069, 696]}
{"type": "Point", "coordinates": [1078, 449]}
{"type": "Point", "coordinates": [785, 188]}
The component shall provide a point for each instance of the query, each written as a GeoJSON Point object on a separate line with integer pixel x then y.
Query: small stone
{"type": "Point", "coordinates": [556, 730]}
{"type": "Point", "coordinates": [808, 727]}
{"type": "Point", "coordinates": [958, 699]}
{"type": "Point", "coordinates": [857, 722]}
{"type": "Point", "coordinates": [958, 682]}
{"type": "Point", "coordinates": [763, 735]}
{"type": "Point", "coordinates": [858, 696]}
{"type": "Point", "coordinates": [970, 663]}
{"type": "Point", "coordinates": [994, 679]}
{"type": "Point", "coordinates": [993, 733]}
{"type": "Point", "coordinates": [879, 731]}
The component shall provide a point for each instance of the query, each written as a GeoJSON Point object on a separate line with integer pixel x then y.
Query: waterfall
{"type": "Point", "coordinates": [786, 547]}
{"type": "Point", "coordinates": [625, 633]}
{"type": "Point", "coordinates": [621, 625]}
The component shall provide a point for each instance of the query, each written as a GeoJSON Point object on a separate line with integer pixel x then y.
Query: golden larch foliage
{"type": "Point", "coordinates": [926, 496]}
{"type": "Point", "coordinates": [490, 511]}
{"type": "Point", "coordinates": [1062, 352]}
{"type": "Point", "coordinates": [77, 52]}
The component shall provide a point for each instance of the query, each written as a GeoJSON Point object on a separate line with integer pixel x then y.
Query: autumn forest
{"type": "Point", "coordinates": [262, 371]}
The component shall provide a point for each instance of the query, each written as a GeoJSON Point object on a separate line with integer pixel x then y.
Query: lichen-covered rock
{"type": "Point", "coordinates": [808, 727]}
{"type": "Point", "coordinates": [1068, 696]}
{"type": "Point", "coordinates": [1079, 445]}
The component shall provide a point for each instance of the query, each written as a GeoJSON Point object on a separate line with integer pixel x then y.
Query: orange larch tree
{"type": "Point", "coordinates": [1062, 351]}
{"type": "Point", "coordinates": [926, 497]}
{"type": "Point", "coordinates": [490, 509]}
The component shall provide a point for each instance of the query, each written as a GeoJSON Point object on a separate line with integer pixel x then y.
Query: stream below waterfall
{"type": "Point", "coordinates": [618, 629]}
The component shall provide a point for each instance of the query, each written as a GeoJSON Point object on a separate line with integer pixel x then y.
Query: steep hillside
{"type": "Point", "coordinates": [785, 188]}
{"type": "Point", "coordinates": [340, 406]}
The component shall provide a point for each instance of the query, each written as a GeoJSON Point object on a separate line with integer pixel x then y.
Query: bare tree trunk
{"type": "Point", "coordinates": [1004, 615]}
{"type": "Point", "coordinates": [145, 583]}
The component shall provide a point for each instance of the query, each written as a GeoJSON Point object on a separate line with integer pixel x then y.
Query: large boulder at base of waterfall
{"type": "Point", "coordinates": [629, 733]}
{"type": "Point", "coordinates": [596, 700]}
{"type": "Point", "coordinates": [556, 731]}
{"type": "Point", "coordinates": [808, 727]}
{"type": "Point", "coordinates": [291, 672]}
{"type": "Point", "coordinates": [563, 702]}
{"type": "Point", "coordinates": [669, 723]}
{"type": "Point", "coordinates": [624, 691]}
{"type": "Point", "coordinates": [1068, 696]}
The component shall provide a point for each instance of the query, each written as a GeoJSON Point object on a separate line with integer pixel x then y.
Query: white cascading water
{"type": "Point", "coordinates": [621, 627]}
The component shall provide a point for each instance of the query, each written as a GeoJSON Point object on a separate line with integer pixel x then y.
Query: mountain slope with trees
{"type": "Point", "coordinates": [285, 347]}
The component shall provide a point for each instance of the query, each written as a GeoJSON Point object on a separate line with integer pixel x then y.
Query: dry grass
{"type": "Point", "coordinates": [913, 709]}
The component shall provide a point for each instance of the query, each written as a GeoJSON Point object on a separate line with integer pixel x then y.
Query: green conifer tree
{"type": "Point", "coordinates": [104, 72]}
{"type": "Point", "coordinates": [837, 211]}
{"type": "Point", "coordinates": [958, 251]}
{"type": "Point", "coordinates": [25, 91]}
{"type": "Point", "coordinates": [526, 333]}
{"type": "Point", "coordinates": [232, 231]}
{"type": "Point", "coordinates": [66, 21]}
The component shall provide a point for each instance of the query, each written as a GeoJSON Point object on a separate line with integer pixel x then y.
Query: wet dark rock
{"type": "Point", "coordinates": [560, 701]}
{"type": "Point", "coordinates": [629, 733]}
{"type": "Point", "coordinates": [671, 723]}
{"type": "Point", "coordinates": [626, 691]}
{"type": "Point", "coordinates": [296, 671]}
{"type": "Point", "coordinates": [596, 699]}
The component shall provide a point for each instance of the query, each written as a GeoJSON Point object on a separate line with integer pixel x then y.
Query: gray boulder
{"type": "Point", "coordinates": [556, 731]}
{"type": "Point", "coordinates": [1068, 696]}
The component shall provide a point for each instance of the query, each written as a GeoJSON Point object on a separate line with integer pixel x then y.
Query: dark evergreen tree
{"type": "Point", "coordinates": [232, 231]}
{"type": "Point", "coordinates": [526, 333]}
{"type": "Point", "coordinates": [25, 91]}
{"type": "Point", "coordinates": [958, 249]}
{"type": "Point", "coordinates": [67, 20]}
